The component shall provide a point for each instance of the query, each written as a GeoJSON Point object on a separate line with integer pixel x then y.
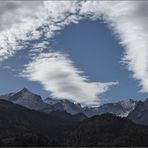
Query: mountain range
{"type": "Point", "coordinates": [136, 111]}
{"type": "Point", "coordinates": [20, 126]}
{"type": "Point", "coordinates": [28, 120]}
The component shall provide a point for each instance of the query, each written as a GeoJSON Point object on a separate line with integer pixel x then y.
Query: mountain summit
{"type": "Point", "coordinates": [28, 99]}
{"type": "Point", "coordinates": [24, 90]}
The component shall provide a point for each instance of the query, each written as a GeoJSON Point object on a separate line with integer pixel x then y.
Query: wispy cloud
{"type": "Point", "coordinates": [31, 21]}
{"type": "Point", "coordinates": [57, 73]}
{"type": "Point", "coordinates": [18, 24]}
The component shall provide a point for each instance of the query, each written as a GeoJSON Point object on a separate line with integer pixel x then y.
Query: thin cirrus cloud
{"type": "Point", "coordinates": [127, 19]}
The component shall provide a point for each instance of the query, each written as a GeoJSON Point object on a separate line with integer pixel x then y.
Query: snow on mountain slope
{"type": "Point", "coordinates": [121, 108]}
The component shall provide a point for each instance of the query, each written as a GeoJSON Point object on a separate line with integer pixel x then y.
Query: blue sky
{"type": "Point", "coordinates": [96, 50]}
{"type": "Point", "coordinates": [68, 59]}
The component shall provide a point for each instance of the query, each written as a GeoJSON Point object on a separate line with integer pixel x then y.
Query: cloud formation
{"type": "Point", "coordinates": [18, 24]}
{"type": "Point", "coordinates": [33, 20]}
{"type": "Point", "coordinates": [60, 77]}
{"type": "Point", "coordinates": [129, 21]}
{"type": "Point", "coordinates": [57, 73]}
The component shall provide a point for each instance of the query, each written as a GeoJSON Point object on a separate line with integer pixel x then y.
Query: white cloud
{"type": "Point", "coordinates": [18, 24]}
{"type": "Point", "coordinates": [57, 73]}
{"type": "Point", "coordinates": [128, 20]}
{"type": "Point", "coordinates": [23, 21]}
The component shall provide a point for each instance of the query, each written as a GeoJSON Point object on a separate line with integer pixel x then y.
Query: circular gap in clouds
{"type": "Point", "coordinates": [91, 44]}
{"type": "Point", "coordinates": [114, 72]}
{"type": "Point", "coordinates": [120, 17]}
{"type": "Point", "coordinates": [73, 80]}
